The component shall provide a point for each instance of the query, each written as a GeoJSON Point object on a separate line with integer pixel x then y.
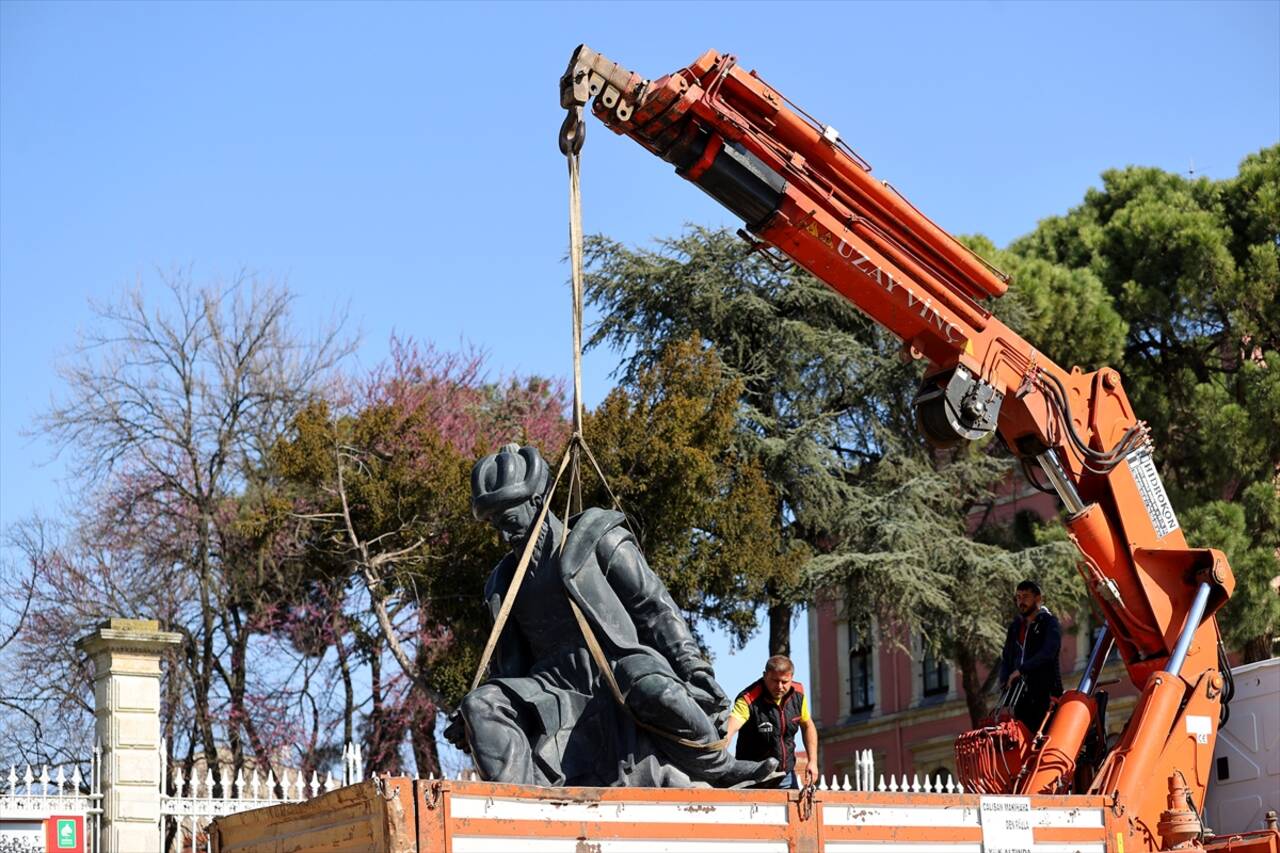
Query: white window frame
{"type": "Point", "coordinates": [917, 675]}
{"type": "Point", "coordinates": [846, 677]}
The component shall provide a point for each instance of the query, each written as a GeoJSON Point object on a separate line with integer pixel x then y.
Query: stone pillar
{"type": "Point", "coordinates": [126, 691]}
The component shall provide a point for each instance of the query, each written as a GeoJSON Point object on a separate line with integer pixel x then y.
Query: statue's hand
{"type": "Point", "coordinates": [456, 732]}
{"type": "Point", "coordinates": [706, 692]}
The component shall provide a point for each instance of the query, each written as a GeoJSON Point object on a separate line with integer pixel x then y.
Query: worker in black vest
{"type": "Point", "coordinates": [1031, 648]}
{"type": "Point", "coordinates": [766, 717]}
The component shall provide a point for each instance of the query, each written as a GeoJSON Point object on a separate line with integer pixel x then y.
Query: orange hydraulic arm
{"type": "Point", "coordinates": [803, 192]}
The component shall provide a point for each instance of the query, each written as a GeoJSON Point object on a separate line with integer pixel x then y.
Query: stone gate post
{"type": "Point", "coordinates": [126, 690]}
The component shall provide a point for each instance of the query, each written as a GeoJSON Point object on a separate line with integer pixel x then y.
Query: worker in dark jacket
{"type": "Point", "coordinates": [766, 717]}
{"type": "Point", "coordinates": [1031, 655]}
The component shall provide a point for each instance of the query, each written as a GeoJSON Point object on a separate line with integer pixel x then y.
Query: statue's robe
{"type": "Point", "coordinates": [577, 733]}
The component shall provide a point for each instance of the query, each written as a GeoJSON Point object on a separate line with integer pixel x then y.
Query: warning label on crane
{"type": "Point", "coordinates": [1147, 479]}
{"type": "Point", "coordinates": [1006, 824]}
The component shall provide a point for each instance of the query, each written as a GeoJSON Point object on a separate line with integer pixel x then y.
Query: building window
{"type": "Point", "coordinates": [935, 673]}
{"type": "Point", "coordinates": [862, 685]}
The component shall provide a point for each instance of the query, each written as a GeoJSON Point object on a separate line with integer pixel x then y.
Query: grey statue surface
{"type": "Point", "coordinates": [545, 716]}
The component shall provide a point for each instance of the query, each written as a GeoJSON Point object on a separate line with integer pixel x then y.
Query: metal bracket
{"type": "Point", "coordinates": [804, 803]}
{"type": "Point", "coordinates": [432, 794]}
{"type": "Point", "coordinates": [777, 261]}
{"type": "Point", "coordinates": [591, 75]}
{"type": "Point", "coordinates": [955, 404]}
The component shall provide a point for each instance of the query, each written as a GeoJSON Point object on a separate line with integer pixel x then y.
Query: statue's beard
{"type": "Point", "coordinates": [516, 540]}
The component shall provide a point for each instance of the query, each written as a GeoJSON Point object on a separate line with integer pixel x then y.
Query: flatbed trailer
{"type": "Point", "coordinates": [401, 815]}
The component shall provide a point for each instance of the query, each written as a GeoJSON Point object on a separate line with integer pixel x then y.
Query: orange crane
{"type": "Point", "coordinates": [801, 191]}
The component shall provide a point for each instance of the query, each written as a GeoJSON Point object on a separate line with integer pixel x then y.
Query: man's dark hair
{"type": "Point", "coordinates": [780, 664]}
{"type": "Point", "coordinates": [1030, 585]}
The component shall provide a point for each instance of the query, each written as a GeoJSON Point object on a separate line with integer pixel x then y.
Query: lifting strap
{"type": "Point", "coordinates": [606, 672]}
{"type": "Point", "coordinates": [571, 138]}
{"type": "Point", "coordinates": [509, 600]}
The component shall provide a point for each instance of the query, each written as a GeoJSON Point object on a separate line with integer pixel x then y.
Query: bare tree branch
{"type": "Point", "coordinates": [168, 410]}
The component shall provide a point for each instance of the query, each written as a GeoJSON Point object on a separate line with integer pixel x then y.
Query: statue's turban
{"type": "Point", "coordinates": [505, 479]}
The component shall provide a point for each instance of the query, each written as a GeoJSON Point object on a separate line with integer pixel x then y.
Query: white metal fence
{"type": "Point", "coordinates": [864, 779]}
{"type": "Point", "coordinates": [192, 806]}
{"type": "Point", "coordinates": [188, 805]}
{"type": "Point", "coordinates": [30, 799]}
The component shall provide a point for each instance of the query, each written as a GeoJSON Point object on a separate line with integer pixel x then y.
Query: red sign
{"type": "Point", "coordinates": [64, 834]}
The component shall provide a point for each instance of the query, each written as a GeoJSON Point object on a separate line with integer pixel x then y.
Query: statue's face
{"type": "Point", "coordinates": [513, 523]}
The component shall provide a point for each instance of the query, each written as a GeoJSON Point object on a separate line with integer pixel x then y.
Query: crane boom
{"type": "Point", "coordinates": [801, 191]}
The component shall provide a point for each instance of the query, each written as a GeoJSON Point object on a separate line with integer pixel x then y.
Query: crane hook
{"type": "Point", "coordinates": [573, 132]}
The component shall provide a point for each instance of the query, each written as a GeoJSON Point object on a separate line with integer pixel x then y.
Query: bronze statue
{"type": "Point", "coordinates": [546, 716]}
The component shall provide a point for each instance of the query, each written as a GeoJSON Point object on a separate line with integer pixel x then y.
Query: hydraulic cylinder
{"type": "Point", "coordinates": [1055, 763]}
{"type": "Point", "coordinates": [1145, 737]}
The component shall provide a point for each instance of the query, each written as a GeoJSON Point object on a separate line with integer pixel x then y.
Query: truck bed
{"type": "Point", "coordinates": [400, 815]}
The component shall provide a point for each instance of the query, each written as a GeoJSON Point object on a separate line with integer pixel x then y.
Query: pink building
{"type": "Point", "coordinates": [905, 705]}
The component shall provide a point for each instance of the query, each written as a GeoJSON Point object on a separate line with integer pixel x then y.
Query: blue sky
{"type": "Point", "coordinates": [399, 160]}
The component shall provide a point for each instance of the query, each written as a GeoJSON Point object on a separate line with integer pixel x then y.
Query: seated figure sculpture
{"type": "Point", "coordinates": [545, 716]}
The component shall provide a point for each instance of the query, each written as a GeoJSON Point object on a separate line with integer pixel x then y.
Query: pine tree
{"type": "Point", "coordinates": [1193, 266]}
{"type": "Point", "coordinates": [825, 411]}
{"type": "Point", "coordinates": [703, 515]}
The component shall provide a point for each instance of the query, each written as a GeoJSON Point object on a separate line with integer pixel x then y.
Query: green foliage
{"type": "Point", "coordinates": [1248, 532]}
{"type": "Point", "coordinates": [813, 371]}
{"type": "Point", "coordinates": [1252, 204]}
{"type": "Point", "coordinates": [407, 490]}
{"type": "Point", "coordinates": [906, 552]}
{"type": "Point", "coordinates": [384, 485]}
{"type": "Point", "coordinates": [1193, 267]}
{"type": "Point", "coordinates": [705, 518]}
{"type": "Point", "coordinates": [1066, 313]}
{"type": "Point", "coordinates": [824, 410]}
